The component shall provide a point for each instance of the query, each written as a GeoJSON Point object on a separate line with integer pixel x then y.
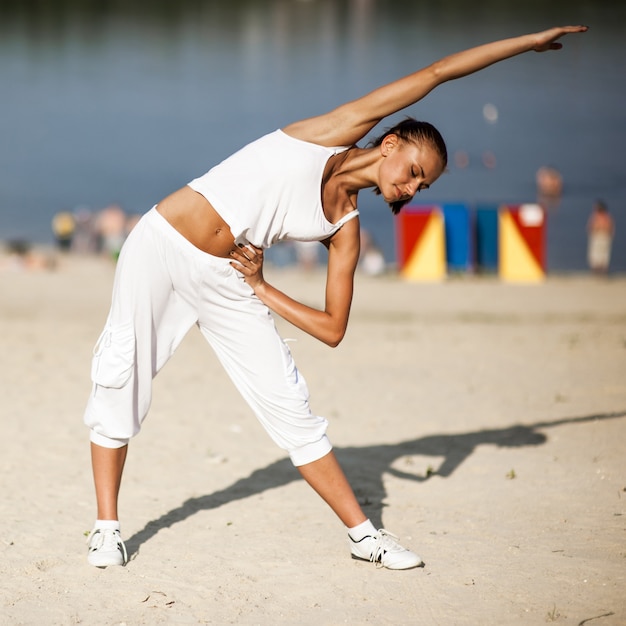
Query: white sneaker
{"type": "Point", "coordinates": [106, 548]}
{"type": "Point", "coordinates": [385, 551]}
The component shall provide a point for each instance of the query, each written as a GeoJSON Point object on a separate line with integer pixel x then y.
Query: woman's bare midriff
{"type": "Point", "coordinates": [193, 216]}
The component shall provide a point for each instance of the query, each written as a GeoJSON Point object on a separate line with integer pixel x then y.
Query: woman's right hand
{"type": "Point", "coordinates": [248, 260]}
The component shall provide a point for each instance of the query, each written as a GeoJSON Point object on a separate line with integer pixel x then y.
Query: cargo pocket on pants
{"type": "Point", "coordinates": [114, 356]}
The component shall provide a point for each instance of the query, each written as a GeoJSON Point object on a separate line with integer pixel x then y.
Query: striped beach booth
{"type": "Point", "coordinates": [521, 243]}
{"type": "Point", "coordinates": [420, 239]}
{"type": "Point", "coordinates": [458, 226]}
{"type": "Point", "coordinates": [486, 238]}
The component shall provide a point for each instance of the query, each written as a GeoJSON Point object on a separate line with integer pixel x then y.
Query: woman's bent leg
{"type": "Point", "coordinates": [241, 330]}
{"type": "Point", "coordinates": [327, 478]}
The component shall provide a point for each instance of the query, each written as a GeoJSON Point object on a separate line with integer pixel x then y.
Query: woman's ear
{"type": "Point", "coordinates": [388, 144]}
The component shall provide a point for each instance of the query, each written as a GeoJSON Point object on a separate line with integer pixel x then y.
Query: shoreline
{"type": "Point", "coordinates": [50, 258]}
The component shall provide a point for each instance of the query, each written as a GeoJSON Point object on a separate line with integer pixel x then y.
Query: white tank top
{"type": "Point", "coordinates": [270, 191]}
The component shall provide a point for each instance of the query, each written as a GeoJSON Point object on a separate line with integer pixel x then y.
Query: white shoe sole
{"type": "Point", "coordinates": [105, 560]}
{"type": "Point", "coordinates": [404, 564]}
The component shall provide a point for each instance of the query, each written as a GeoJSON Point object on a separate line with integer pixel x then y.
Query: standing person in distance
{"type": "Point", "coordinates": [600, 231]}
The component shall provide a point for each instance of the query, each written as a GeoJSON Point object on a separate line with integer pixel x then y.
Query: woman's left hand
{"type": "Point", "coordinates": [547, 40]}
{"type": "Point", "coordinates": [248, 260]}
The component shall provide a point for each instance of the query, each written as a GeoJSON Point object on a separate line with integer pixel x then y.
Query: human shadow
{"type": "Point", "coordinates": [366, 468]}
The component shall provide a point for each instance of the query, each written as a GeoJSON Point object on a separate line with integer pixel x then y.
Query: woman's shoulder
{"type": "Point", "coordinates": [289, 136]}
{"type": "Point", "coordinates": [323, 131]}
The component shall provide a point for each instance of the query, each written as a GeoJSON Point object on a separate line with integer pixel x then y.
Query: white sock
{"type": "Point", "coordinates": [110, 524]}
{"type": "Point", "coordinates": [362, 530]}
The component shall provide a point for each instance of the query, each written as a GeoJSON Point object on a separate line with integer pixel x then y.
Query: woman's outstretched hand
{"type": "Point", "coordinates": [547, 40]}
{"type": "Point", "coordinates": [248, 260]}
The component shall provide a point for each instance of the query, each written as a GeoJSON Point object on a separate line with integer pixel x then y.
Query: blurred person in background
{"type": "Point", "coordinates": [549, 187]}
{"type": "Point", "coordinates": [63, 227]}
{"type": "Point", "coordinates": [307, 254]}
{"type": "Point", "coordinates": [371, 259]}
{"type": "Point", "coordinates": [111, 229]}
{"type": "Point", "coordinates": [600, 231]}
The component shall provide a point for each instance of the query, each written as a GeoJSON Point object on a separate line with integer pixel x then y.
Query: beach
{"type": "Point", "coordinates": [484, 423]}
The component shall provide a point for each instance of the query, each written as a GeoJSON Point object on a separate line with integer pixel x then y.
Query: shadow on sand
{"type": "Point", "coordinates": [366, 468]}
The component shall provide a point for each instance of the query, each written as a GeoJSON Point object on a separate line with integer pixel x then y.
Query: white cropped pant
{"type": "Point", "coordinates": [163, 285]}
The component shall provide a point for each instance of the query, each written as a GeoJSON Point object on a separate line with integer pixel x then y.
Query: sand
{"type": "Point", "coordinates": [484, 423]}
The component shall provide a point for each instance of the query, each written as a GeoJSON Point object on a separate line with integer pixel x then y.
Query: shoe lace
{"type": "Point", "coordinates": [107, 540]}
{"type": "Point", "coordinates": [385, 542]}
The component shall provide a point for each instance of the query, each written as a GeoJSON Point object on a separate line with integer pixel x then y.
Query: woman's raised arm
{"type": "Point", "coordinates": [350, 122]}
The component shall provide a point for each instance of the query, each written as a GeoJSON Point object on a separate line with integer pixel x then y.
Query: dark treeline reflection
{"type": "Point", "coordinates": [54, 17]}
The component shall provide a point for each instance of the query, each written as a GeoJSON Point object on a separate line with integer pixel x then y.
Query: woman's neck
{"type": "Point", "coordinates": [353, 170]}
{"type": "Point", "coordinates": [345, 175]}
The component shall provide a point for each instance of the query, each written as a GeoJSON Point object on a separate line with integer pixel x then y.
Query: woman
{"type": "Point", "coordinates": [197, 258]}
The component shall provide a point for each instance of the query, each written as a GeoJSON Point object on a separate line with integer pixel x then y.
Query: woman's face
{"type": "Point", "coordinates": [407, 168]}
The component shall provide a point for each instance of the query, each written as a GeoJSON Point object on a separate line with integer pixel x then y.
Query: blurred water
{"type": "Point", "coordinates": [125, 102]}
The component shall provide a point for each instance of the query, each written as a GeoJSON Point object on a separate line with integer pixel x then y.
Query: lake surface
{"type": "Point", "coordinates": [122, 104]}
